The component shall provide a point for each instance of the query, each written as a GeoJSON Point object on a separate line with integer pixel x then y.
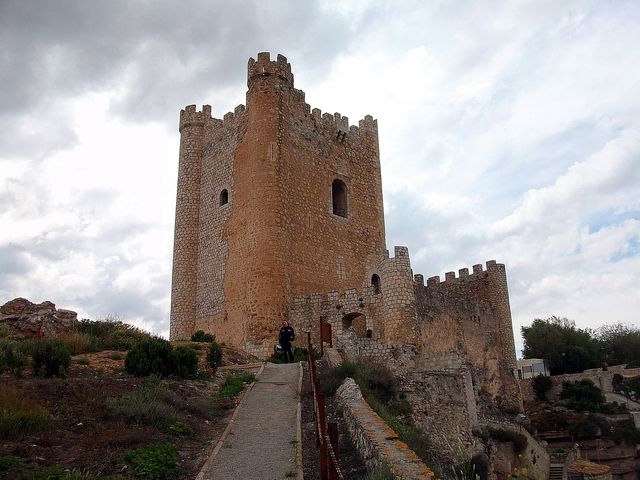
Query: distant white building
{"type": "Point", "coordinates": [532, 367]}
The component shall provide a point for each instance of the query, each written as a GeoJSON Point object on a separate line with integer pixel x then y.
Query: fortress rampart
{"type": "Point", "coordinates": [279, 215]}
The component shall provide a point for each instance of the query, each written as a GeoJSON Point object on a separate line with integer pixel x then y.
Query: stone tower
{"type": "Point", "coordinates": [274, 201]}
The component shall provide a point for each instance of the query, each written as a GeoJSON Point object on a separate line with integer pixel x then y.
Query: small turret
{"type": "Point", "coordinates": [264, 67]}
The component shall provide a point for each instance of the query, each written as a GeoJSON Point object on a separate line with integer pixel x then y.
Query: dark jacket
{"type": "Point", "coordinates": [287, 335]}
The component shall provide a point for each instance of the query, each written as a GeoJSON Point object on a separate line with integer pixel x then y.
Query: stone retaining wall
{"type": "Point", "coordinates": [378, 443]}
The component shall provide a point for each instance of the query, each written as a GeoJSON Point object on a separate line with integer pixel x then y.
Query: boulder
{"type": "Point", "coordinates": [21, 315]}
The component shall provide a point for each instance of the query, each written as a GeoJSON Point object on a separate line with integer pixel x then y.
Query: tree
{"type": "Point", "coordinates": [566, 348]}
{"type": "Point", "coordinates": [619, 343]}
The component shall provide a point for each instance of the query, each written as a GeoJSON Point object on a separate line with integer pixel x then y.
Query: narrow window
{"type": "Point", "coordinates": [375, 282]}
{"type": "Point", "coordinates": [224, 197]}
{"type": "Point", "coordinates": [339, 195]}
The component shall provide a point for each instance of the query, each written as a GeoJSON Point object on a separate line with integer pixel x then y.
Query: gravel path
{"type": "Point", "coordinates": [262, 441]}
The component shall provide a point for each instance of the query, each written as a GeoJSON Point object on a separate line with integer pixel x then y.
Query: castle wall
{"type": "Point", "coordinates": [470, 315]}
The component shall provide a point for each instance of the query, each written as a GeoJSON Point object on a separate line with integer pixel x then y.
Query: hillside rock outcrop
{"type": "Point", "coordinates": [40, 319]}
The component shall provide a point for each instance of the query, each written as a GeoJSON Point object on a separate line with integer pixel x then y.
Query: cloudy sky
{"type": "Point", "coordinates": [509, 130]}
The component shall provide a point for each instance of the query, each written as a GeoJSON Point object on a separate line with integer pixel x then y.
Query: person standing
{"type": "Point", "coordinates": [287, 335]}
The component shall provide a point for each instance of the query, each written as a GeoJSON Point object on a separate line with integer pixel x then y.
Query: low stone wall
{"type": "Point", "coordinates": [378, 443]}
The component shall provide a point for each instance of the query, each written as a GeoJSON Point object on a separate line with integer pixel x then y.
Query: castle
{"type": "Point", "coordinates": [279, 215]}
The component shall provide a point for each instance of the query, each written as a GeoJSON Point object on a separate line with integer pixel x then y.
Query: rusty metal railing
{"type": "Point", "coordinates": [326, 432]}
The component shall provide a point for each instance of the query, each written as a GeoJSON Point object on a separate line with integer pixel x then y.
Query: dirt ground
{"type": "Point", "coordinates": [85, 436]}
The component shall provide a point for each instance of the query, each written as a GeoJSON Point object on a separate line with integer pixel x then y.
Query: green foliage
{"type": "Point", "coordinates": [13, 357]}
{"type": "Point", "coordinates": [617, 382]}
{"type": "Point", "coordinates": [234, 385]}
{"type": "Point", "coordinates": [19, 414]}
{"type": "Point", "coordinates": [541, 384]}
{"type": "Point", "coordinates": [582, 395]}
{"type": "Point", "coordinates": [148, 404]}
{"type": "Point", "coordinates": [184, 362]}
{"type": "Point", "coordinates": [149, 356]}
{"type": "Point", "coordinates": [200, 336]}
{"type": "Point", "coordinates": [51, 357]}
{"type": "Point", "coordinates": [626, 431]}
{"type": "Point", "coordinates": [382, 471]}
{"type": "Point", "coordinates": [78, 343]}
{"type": "Point", "coordinates": [372, 378]}
{"type": "Point", "coordinates": [629, 387]}
{"type": "Point", "coordinates": [214, 355]}
{"type": "Point", "coordinates": [407, 433]}
{"type": "Point", "coordinates": [154, 462]}
{"type": "Point", "coordinates": [110, 334]}
{"type": "Point", "coordinates": [10, 462]}
{"type": "Point", "coordinates": [156, 356]}
{"type": "Point", "coordinates": [518, 439]}
{"type": "Point", "coordinates": [566, 348]}
{"type": "Point", "coordinates": [619, 343]}
{"type": "Point", "coordinates": [179, 429]}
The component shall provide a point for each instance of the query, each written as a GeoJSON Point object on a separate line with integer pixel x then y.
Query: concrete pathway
{"type": "Point", "coordinates": [262, 440]}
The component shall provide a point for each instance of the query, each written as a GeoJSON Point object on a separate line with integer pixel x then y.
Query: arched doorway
{"type": "Point", "coordinates": [356, 320]}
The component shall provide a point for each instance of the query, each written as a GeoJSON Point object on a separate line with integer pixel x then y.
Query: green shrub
{"type": "Point", "coordinates": [13, 357]}
{"type": "Point", "coordinates": [372, 378]}
{"type": "Point", "coordinates": [78, 343]}
{"type": "Point", "coordinates": [148, 404]}
{"type": "Point", "coordinates": [582, 395]}
{"type": "Point", "coordinates": [200, 336]}
{"type": "Point", "coordinates": [149, 356]}
{"type": "Point", "coordinates": [234, 385]}
{"type": "Point", "coordinates": [51, 357]}
{"type": "Point", "coordinates": [10, 462]}
{"type": "Point", "coordinates": [19, 414]}
{"type": "Point", "coordinates": [179, 429]}
{"type": "Point", "coordinates": [110, 334]}
{"type": "Point", "coordinates": [156, 356]}
{"type": "Point", "coordinates": [214, 355]}
{"type": "Point", "coordinates": [154, 462]}
{"type": "Point", "coordinates": [183, 362]}
{"type": "Point", "coordinates": [541, 384]}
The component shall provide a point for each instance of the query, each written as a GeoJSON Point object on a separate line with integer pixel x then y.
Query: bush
{"type": "Point", "coordinates": [110, 334]}
{"type": "Point", "coordinates": [19, 414]}
{"type": "Point", "coordinates": [183, 362]}
{"type": "Point", "coordinates": [154, 462]}
{"type": "Point", "coordinates": [200, 336]}
{"type": "Point", "coordinates": [78, 343]}
{"type": "Point", "coordinates": [10, 462]}
{"type": "Point", "coordinates": [149, 356]}
{"type": "Point", "coordinates": [372, 378]}
{"type": "Point", "coordinates": [50, 357]}
{"type": "Point", "coordinates": [214, 355]}
{"type": "Point", "coordinates": [12, 357]}
{"type": "Point", "coordinates": [156, 356]}
{"type": "Point", "coordinates": [582, 395]}
{"type": "Point", "coordinates": [541, 384]}
{"type": "Point", "coordinates": [146, 405]}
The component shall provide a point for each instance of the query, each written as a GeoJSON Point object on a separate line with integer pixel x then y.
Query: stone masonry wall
{"type": "Point", "coordinates": [470, 315]}
{"type": "Point", "coordinates": [378, 443]}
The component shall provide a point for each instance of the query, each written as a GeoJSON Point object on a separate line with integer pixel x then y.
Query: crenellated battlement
{"type": "Point", "coordinates": [341, 124]}
{"type": "Point", "coordinates": [191, 117]}
{"type": "Point", "coordinates": [263, 67]}
{"type": "Point", "coordinates": [463, 274]}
